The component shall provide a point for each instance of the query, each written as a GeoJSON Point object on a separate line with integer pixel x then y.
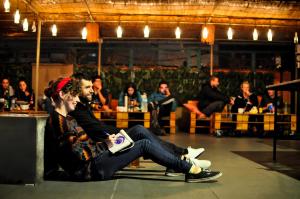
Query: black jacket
{"type": "Point", "coordinates": [95, 129]}
{"type": "Point", "coordinates": [241, 102]}
{"type": "Point", "coordinates": [208, 95]}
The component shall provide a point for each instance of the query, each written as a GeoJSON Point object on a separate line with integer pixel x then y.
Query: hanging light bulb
{"type": "Point", "coordinates": [255, 34]}
{"type": "Point", "coordinates": [6, 6]}
{"type": "Point", "coordinates": [33, 27]}
{"type": "Point", "coordinates": [25, 24]}
{"type": "Point", "coordinates": [84, 33]}
{"type": "Point", "coordinates": [54, 30]}
{"type": "Point", "coordinates": [296, 38]}
{"type": "Point", "coordinates": [270, 35]}
{"type": "Point", "coordinates": [17, 17]}
{"type": "Point", "coordinates": [204, 32]}
{"type": "Point", "coordinates": [230, 33]}
{"type": "Point", "coordinates": [146, 31]}
{"type": "Point", "coordinates": [119, 31]}
{"type": "Point", "coordinates": [177, 33]}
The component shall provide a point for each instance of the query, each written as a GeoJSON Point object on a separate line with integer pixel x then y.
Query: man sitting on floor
{"type": "Point", "coordinates": [210, 99]}
{"type": "Point", "coordinates": [98, 130]}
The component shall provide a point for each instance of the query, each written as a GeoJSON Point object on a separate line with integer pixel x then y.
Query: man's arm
{"type": "Point", "coordinates": [215, 95]}
{"type": "Point", "coordinates": [92, 126]}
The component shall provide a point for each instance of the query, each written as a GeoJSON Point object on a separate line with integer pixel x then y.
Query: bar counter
{"type": "Point", "coordinates": [22, 147]}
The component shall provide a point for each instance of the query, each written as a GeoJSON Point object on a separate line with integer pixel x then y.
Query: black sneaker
{"type": "Point", "coordinates": [172, 173]}
{"type": "Point", "coordinates": [203, 176]}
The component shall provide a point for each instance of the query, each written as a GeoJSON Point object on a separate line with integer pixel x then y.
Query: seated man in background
{"type": "Point", "coordinates": [269, 101]}
{"type": "Point", "coordinates": [6, 88]}
{"type": "Point", "coordinates": [100, 96]}
{"type": "Point", "coordinates": [161, 104]}
{"type": "Point", "coordinates": [210, 99]}
{"type": "Point", "coordinates": [245, 100]}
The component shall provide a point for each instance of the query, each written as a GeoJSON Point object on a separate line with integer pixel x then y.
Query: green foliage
{"type": "Point", "coordinates": [186, 82]}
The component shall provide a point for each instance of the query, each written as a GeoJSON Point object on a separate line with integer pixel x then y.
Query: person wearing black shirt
{"type": "Point", "coordinates": [245, 100]}
{"type": "Point", "coordinates": [210, 99]}
{"type": "Point", "coordinates": [97, 130]}
{"type": "Point", "coordinates": [269, 101]}
{"type": "Point", "coordinates": [24, 93]}
{"type": "Point", "coordinates": [100, 96]}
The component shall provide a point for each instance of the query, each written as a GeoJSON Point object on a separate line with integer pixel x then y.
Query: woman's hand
{"type": "Point", "coordinates": [112, 138]}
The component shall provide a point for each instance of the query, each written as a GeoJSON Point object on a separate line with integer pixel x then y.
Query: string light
{"type": "Point", "coordinates": [230, 33]}
{"type": "Point", "coordinates": [25, 24]}
{"type": "Point", "coordinates": [119, 31]}
{"type": "Point", "coordinates": [177, 33]}
{"type": "Point", "coordinates": [6, 6]}
{"type": "Point", "coordinates": [146, 31]}
{"type": "Point", "coordinates": [54, 30]}
{"type": "Point", "coordinates": [17, 17]}
{"type": "Point", "coordinates": [255, 34]}
{"type": "Point", "coordinates": [296, 38]}
{"type": "Point", "coordinates": [33, 27]}
{"type": "Point", "coordinates": [205, 33]}
{"type": "Point", "coordinates": [270, 35]}
{"type": "Point", "coordinates": [84, 33]}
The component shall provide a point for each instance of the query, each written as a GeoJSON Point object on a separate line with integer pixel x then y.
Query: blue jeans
{"type": "Point", "coordinates": [106, 164]}
{"type": "Point", "coordinates": [139, 132]}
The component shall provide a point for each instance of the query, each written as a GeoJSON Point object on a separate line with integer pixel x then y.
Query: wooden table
{"type": "Point", "coordinates": [124, 120]}
{"type": "Point", "coordinates": [293, 85]}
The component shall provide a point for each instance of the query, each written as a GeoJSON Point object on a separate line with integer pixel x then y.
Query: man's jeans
{"type": "Point", "coordinates": [106, 164]}
{"type": "Point", "coordinates": [216, 106]}
{"type": "Point", "coordinates": [139, 132]}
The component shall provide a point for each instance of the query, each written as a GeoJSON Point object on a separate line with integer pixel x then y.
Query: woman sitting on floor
{"type": "Point", "coordinates": [85, 159]}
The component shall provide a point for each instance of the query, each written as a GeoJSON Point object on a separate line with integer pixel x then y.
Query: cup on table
{"type": "Point", "coordinates": [120, 108]}
{"type": "Point", "coordinates": [240, 110]}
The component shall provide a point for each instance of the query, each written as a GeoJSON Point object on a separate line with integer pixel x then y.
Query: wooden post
{"type": "Point", "coordinates": [99, 55]}
{"type": "Point", "coordinates": [211, 58]}
{"type": "Point", "coordinates": [38, 48]}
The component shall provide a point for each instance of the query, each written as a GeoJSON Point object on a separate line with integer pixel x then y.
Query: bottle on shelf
{"type": "Point", "coordinates": [7, 101]}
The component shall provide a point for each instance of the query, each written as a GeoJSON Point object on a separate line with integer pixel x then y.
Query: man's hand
{"type": "Point", "coordinates": [167, 92]}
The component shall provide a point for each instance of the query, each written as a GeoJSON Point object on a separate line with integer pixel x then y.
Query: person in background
{"type": "Point", "coordinates": [210, 99]}
{"type": "Point", "coordinates": [24, 93]}
{"type": "Point", "coordinates": [6, 88]}
{"type": "Point", "coordinates": [84, 159]}
{"type": "Point", "coordinates": [133, 94]}
{"type": "Point", "coordinates": [100, 97]}
{"type": "Point", "coordinates": [269, 101]}
{"type": "Point", "coordinates": [161, 104]}
{"type": "Point", "coordinates": [245, 100]}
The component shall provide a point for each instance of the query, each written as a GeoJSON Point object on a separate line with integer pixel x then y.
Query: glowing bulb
{"type": "Point", "coordinates": [270, 35]}
{"type": "Point", "coordinates": [205, 33]}
{"type": "Point", "coordinates": [17, 17]}
{"type": "Point", "coordinates": [255, 35]}
{"type": "Point", "coordinates": [54, 30]}
{"type": "Point", "coordinates": [33, 27]}
{"type": "Point", "coordinates": [230, 33]}
{"type": "Point", "coordinates": [119, 31]}
{"type": "Point", "coordinates": [296, 38]}
{"type": "Point", "coordinates": [84, 33]}
{"type": "Point", "coordinates": [146, 31]}
{"type": "Point", "coordinates": [25, 25]}
{"type": "Point", "coordinates": [177, 33]}
{"type": "Point", "coordinates": [6, 6]}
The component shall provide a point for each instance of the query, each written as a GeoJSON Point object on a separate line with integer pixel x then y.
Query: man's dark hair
{"type": "Point", "coordinates": [5, 78]}
{"type": "Point", "coordinates": [95, 78]}
{"type": "Point", "coordinates": [79, 76]}
{"type": "Point", "coordinates": [162, 82]}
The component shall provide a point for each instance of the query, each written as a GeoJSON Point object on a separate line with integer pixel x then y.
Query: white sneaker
{"type": "Point", "coordinates": [204, 164]}
{"type": "Point", "coordinates": [194, 153]}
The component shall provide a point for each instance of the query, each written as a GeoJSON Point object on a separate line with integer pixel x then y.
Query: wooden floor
{"type": "Point", "coordinates": [243, 176]}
